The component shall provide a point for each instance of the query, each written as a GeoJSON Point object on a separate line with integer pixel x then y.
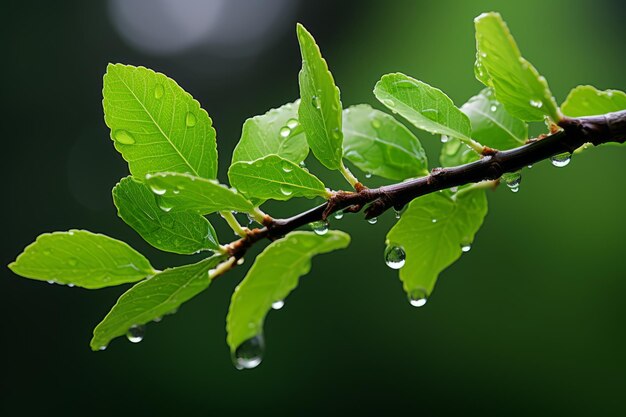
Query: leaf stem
{"type": "Point", "coordinates": [348, 175]}
{"type": "Point", "coordinates": [233, 223]}
{"type": "Point", "coordinates": [222, 267]}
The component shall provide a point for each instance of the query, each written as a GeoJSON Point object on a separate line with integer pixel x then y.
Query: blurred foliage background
{"type": "Point", "coordinates": [531, 321]}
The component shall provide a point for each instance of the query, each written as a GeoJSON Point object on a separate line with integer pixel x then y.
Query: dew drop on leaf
{"type": "Point", "coordinates": [285, 131]}
{"type": "Point", "coordinates": [493, 108]}
{"type": "Point", "coordinates": [158, 91]}
{"type": "Point", "coordinates": [287, 167]}
{"type": "Point", "coordinates": [512, 180]}
{"type": "Point", "coordinates": [123, 137]}
{"type": "Point", "coordinates": [319, 227]}
{"type": "Point", "coordinates": [418, 298]}
{"type": "Point", "coordinates": [376, 123]}
{"type": "Point", "coordinates": [373, 220]}
{"type": "Point", "coordinates": [136, 333]}
{"type": "Point", "coordinates": [395, 257]}
{"type": "Point", "coordinates": [166, 207]}
{"type": "Point", "coordinates": [368, 175]}
{"type": "Point", "coordinates": [286, 191]}
{"type": "Point", "coordinates": [277, 305]}
{"type": "Point", "coordinates": [444, 138]}
{"type": "Point", "coordinates": [292, 123]}
{"type": "Point", "coordinates": [536, 103]}
{"type": "Point", "coordinates": [157, 319]}
{"type": "Point", "coordinates": [158, 190]}
{"type": "Point", "coordinates": [190, 119]}
{"type": "Point", "coordinates": [249, 354]}
{"type": "Point", "coordinates": [561, 160]}
{"type": "Point", "coordinates": [434, 220]}
{"type": "Point", "coordinates": [240, 261]}
{"type": "Point", "coordinates": [339, 215]}
{"type": "Point", "coordinates": [397, 213]}
{"type": "Point", "coordinates": [465, 247]}
{"type": "Point", "coordinates": [315, 101]}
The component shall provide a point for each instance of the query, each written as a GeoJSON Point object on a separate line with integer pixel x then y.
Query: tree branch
{"type": "Point", "coordinates": [574, 133]}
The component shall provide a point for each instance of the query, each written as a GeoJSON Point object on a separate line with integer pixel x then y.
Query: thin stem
{"type": "Point", "coordinates": [222, 267]}
{"type": "Point", "coordinates": [233, 223]}
{"type": "Point", "coordinates": [349, 176]}
{"type": "Point", "coordinates": [476, 146]}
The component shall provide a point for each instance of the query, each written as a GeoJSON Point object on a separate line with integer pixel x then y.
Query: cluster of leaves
{"type": "Point", "coordinates": [169, 143]}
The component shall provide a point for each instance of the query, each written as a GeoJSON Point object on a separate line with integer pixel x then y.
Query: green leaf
{"type": "Point", "coordinates": [378, 144]}
{"type": "Point", "coordinates": [153, 298]}
{"type": "Point", "coordinates": [586, 100]}
{"type": "Point", "coordinates": [492, 126]}
{"type": "Point", "coordinates": [273, 177]}
{"type": "Point", "coordinates": [431, 231]}
{"type": "Point", "coordinates": [184, 192]}
{"type": "Point", "coordinates": [273, 276]}
{"type": "Point", "coordinates": [320, 108]}
{"type": "Point", "coordinates": [275, 132]}
{"type": "Point", "coordinates": [178, 232]}
{"type": "Point", "coordinates": [156, 125]}
{"type": "Point", "coordinates": [428, 108]}
{"type": "Point", "coordinates": [500, 65]}
{"type": "Point", "coordinates": [81, 258]}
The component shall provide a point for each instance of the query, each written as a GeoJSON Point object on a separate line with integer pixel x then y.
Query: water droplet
{"type": "Point", "coordinates": [249, 354]}
{"type": "Point", "coordinates": [483, 54]}
{"type": "Point", "coordinates": [158, 91]}
{"type": "Point", "coordinates": [536, 103]}
{"type": "Point", "coordinates": [277, 305]}
{"type": "Point", "coordinates": [250, 218]}
{"type": "Point", "coordinates": [292, 123]}
{"type": "Point", "coordinates": [50, 281]}
{"type": "Point", "coordinates": [157, 319]}
{"type": "Point", "coordinates": [339, 215]}
{"type": "Point", "coordinates": [136, 333]}
{"type": "Point", "coordinates": [302, 165]}
{"type": "Point", "coordinates": [373, 220]}
{"type": "Point", "coordinates": [444, 138]}
{"type": "Point", "coordinates": [166, 207]}
{"type": "Point", "coordinates": [493, 108]}
{"type": "Point", "coordinates": [102, 347]}
{"type": "Point", "coordinates": [157, 190]}
{"type": "Point", "coordinates": [376, 123]}
{"type": "Point", "coordinates": [397, 213]}
{"type": "Point", "coordinates": [530, 166]}
{"type": "Point", "coordinates": [368, 175]}
{"type": "Point", "coordinates": [465, 247]}
{"type": "Point", "coordinates": [285, 131]}
{"type": "Point", "coordinates": [561, 160]}
{"type": "Point", "coordinates": [240, 261]}
{"type": "Point", "coordinates": [418, 298]}
{"type": "Point", "coordinates": [336, 133]}
{"type": "Point", "coordinates": [287, 166]}
{"type": "Point", "coordinates": [319, 227]}
{"type": "Point", "coordinates": [123, 137]}
{"type": "Point", "coordinates": [71, 285]}
{"type": "Point", "coordinates": [315, 101]}
{"type": "Point", "coordinates": [434, 220]}
{"type": "Point", "coordinates": [395, 257]}
{"type": "Point", "coordinates": [190, 119]}
{"type": "Point", "coordinates": [286, 191]}
{"type": "Point", "coordinates": [512, 180]}
{"type": "Point", "coordinates": [454, 189]}
{"type": "Point", "coordinates": [388, 102]}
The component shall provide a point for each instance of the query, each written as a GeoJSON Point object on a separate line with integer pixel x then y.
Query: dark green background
{"type": "Point", "coordinates": [530, 322]}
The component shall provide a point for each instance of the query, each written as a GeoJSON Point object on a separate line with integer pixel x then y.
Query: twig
{"type": "Point", "coordinates": [574, 133]}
